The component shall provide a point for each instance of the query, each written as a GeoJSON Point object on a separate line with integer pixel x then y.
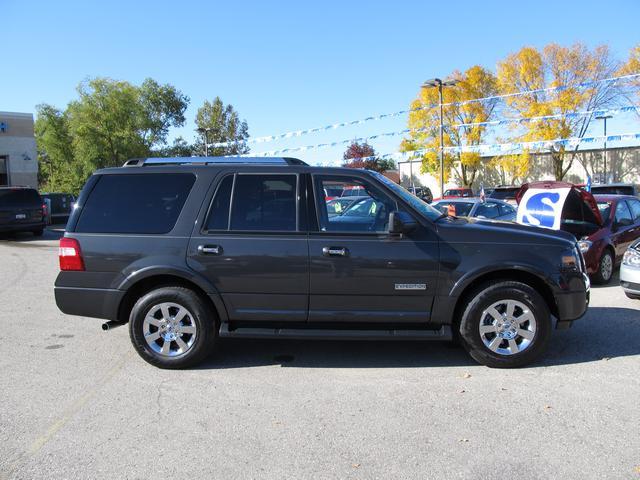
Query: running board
{"type": "Point", "coordinates": [443, 333]}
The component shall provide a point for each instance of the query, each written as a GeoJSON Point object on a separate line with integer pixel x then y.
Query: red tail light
{"type": "Point", "coordinates": [69, 255]}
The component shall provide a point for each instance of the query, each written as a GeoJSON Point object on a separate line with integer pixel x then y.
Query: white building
{"type": "Point", "coordinates": [622, 165]}
{"type": "Point", "coordinates": [18, 156]}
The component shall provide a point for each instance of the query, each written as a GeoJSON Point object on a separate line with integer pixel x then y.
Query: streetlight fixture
{"type": "Point", "coordinates": [604, 154]}
{"type": "Point", "coordinates": [436, 82]}
{"type": "Point", "coordinates": [205, 133]}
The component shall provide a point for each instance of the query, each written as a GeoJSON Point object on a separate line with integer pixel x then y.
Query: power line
{"type": "Point", "coordinates": [299, 133]}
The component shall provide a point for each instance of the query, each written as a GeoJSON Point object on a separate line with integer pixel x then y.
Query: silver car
{"type": "Point", "coordinates": [630, 271]}
{"type": "Point", "coordinates": [475, 207]}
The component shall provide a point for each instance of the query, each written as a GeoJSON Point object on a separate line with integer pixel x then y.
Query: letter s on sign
{"type": "Point", "coordinates": [541, 209]}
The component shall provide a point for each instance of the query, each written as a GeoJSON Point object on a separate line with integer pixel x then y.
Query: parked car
{"type": "Point", "coordinates": [354, 191]}
{"type": "Point", "coordinates": [457, 193]}
{"type": "Point", "coordinates": [332, 192]}
{"type": "Point", "coordinates": [186, 252]}
{"type": "Point", "coordinates": [615, 189]}
{"type": "Point", "coordinates": [605, 225]}
{"type": "Point", "coordinates": [630, 271]}
{"type": "Point", "coordinates": [474, 207]}
{"type": "Point", "coordinates": [338, 206]}
{"type": "Point", "coordinates": [423, 193]}
{"type": "Point", "coordinates": [506, 193]}
{"type": "Point", "coordinates": [60, 205]}
{"type": "Point", "coordinates": [21, 210]}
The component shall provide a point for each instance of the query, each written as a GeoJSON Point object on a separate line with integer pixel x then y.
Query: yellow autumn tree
{"type": "Point", "coordinates": [512, 168]}
{"type": "Point", "coordinates": [629, 68]}
{"type": "Point", "coordinates": [424, 124]}
{"type": "Point", "coordinates": [557, 66]}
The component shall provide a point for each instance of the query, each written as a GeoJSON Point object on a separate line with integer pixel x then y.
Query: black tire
{"type": "Point", "coordinates": [202, 316]}
{"type": "Point", "coordinates": [487, 295]}
{"type": "Point", "coordinates": [604, 275]}
{"type": "Point", "coordinates": [38, 233]}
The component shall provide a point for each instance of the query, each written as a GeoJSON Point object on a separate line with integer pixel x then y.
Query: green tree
{"type": "Point", "coordinates": [221, 123]}
{"type": "Point", "coordinates": [111, 122]}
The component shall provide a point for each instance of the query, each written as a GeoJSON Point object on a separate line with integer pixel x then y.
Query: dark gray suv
{"type": "Point", "coordinates": [187, 250]}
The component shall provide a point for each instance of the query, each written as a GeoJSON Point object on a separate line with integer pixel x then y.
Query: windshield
{"type": "Point", "coordinates": [422, 207]}
{"type": "Point", "coordinates": [362, 208]}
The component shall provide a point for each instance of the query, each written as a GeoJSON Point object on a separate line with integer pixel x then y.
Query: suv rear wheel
{"type": "Point", "coordinates": [505, 325]}
{"type": "Point", "coordinates": [172, 327]}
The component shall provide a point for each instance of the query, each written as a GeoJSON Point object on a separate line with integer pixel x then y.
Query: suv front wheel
{"type": "Point", "coordinates": [505, 325]}
{"type": "Point", "coordinates": [172, 327]}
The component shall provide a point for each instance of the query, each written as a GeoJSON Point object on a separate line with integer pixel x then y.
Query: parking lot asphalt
{"type": "Point", "coordinates": [77, 402]}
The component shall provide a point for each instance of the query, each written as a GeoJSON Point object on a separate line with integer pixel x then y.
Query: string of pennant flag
{"type": "Point", "coordinates": [500, 148]}
{"type": "Point", "coordinates": [299, 133]}
{"type": "Point", "coordinates": [338, 143]}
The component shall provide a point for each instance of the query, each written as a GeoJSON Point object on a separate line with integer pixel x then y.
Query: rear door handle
{"type": "Point", "coordinates": [335, 252]}
{"type": "Point", "coordinates": [209, 249]}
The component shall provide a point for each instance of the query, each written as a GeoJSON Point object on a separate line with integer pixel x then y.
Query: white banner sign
{"type": "Point", "coordinates": [542, 207]}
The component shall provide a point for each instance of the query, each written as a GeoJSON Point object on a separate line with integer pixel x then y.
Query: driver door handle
{"type": "Point", "coordinates": [209, 249]}
{"type": "Point", "coordinates": [335, 251]}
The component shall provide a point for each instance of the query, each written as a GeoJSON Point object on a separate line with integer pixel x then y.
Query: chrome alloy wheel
{"type": "Point", "coordinates": [169, 329]}
{"type": "Point", "coordinates": [606, 267]}
{"type": "Point", "coordinates": [507, 327]}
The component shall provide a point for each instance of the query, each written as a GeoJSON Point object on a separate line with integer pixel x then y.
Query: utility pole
{"type": "Point", "coordinates": [436, 82]}
{"type": "Point", "coordinates": [205, 133]}
{"type": "Point", "coordinates": [604, 153]}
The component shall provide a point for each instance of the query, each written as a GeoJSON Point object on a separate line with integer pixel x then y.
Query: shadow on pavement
{"type": "Point", "coordinates": [604, 333]}
{"type": "Point", "coordinates": [51, 233]}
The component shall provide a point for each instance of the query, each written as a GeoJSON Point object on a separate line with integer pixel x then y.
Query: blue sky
{"type": "Point", "coordinates": [287, 65]}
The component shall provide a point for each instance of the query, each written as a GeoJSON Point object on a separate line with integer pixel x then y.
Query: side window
{"type": "Point", "coordinates": [366, 212]}
{"type": "Point", "coordinates": [623, 214]}
{"type": "Point", "coordinates": [139, 203]}
{"type": "Point", "coordinates": [488, 210]}
{"type": "Point", "coordinates": [264, 203]}
{"type": "Point", "coordinates": [219, 211]}
{"type": "Point", "coordinates": [635, 209]}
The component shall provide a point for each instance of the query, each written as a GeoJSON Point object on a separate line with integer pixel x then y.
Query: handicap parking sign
{"type": "Point", "coordinates": [542, 207]}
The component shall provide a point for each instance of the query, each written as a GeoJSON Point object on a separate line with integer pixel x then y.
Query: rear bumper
{"type": "Point", "coordinates": [21, 227]}
{"type": "Point", "coordinates": [89, 302]}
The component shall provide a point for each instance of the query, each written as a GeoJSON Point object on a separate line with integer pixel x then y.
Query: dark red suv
{"type": "Point", "coordinates": [604, 225]}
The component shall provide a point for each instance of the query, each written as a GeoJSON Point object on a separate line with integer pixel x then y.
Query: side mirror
{"type": "Point", "coordinates": [401, 222]}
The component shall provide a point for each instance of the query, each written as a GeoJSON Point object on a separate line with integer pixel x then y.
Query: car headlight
{"type": "Point", "coordinates": [584, 246]}
{"type": "Point", "coordinates": [631, 258]}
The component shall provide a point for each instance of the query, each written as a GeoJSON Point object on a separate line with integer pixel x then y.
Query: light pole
{"type": "Point", "coordinates": [604, 154]}
{"type": "Point", "coordinates": [205, 133]}
{"type": "Point", "coordinates": [436, 82]}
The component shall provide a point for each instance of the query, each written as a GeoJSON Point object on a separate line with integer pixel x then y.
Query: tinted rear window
{"type": "Point", "coordinates": [504, 194]}
{"type": "Point", "coordinates": [137, 203]}
{"type": "Point", "coordinates": [612, 190]}
{"type": "Point", "coordinates": [19, 197]}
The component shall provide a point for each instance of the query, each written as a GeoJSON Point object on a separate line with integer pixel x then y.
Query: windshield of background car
{"type": "Point", "coordinates": [338, 206]}
{"type": "Point", "coordinates": [362, 208]}
{"type": "Point", "coordinates": [421, 206]}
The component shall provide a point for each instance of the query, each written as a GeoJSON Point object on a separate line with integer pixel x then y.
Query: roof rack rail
{"type": "Point", "coordinates": [141, 162]}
